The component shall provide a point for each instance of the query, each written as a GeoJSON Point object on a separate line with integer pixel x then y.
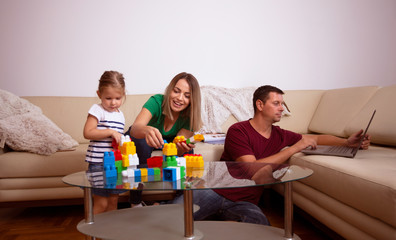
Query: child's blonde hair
{"type": "Point", "coordinates": [111, 79]}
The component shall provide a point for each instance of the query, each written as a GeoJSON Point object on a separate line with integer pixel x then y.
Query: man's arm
{"type": "Point", "coordinates": [283, 155]}
{"type": "Point", "coordinates": [352, 141]}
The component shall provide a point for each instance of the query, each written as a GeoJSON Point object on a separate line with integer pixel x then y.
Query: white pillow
{"type": "Point", "coordinates": [23, 127]}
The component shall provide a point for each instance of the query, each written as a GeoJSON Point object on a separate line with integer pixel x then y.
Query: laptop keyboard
{"type": "Point", "coordinates": [339, 149]}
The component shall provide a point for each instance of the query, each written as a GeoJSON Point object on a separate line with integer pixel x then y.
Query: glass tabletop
{"type": "Point", "coordinates": [211, 176]}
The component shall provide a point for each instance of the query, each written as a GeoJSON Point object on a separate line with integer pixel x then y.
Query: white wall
{"type": "Point", "coordinates": [62, 47]}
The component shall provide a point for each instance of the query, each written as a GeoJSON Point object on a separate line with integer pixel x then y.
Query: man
{"type": "Point", "coordinates": [258, 140]}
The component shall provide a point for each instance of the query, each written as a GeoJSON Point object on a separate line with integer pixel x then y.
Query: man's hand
{"type": "Point", "coordinates": [354, 140]}
{"type": "Point", "coordinates": [306, 141]}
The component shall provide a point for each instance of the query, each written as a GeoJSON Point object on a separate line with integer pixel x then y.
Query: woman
{"type": "Point", "coordinates": [165, 116]}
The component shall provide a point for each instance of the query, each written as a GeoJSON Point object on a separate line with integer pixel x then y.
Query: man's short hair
{"type": "Point", "coordinates": [262, 93]}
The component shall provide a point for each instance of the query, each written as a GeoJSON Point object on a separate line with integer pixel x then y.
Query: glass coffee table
{"type": "Point", "coordinates": [175, 221]}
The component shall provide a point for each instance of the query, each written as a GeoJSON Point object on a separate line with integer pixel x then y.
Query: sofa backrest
{"type": "Point", "coordinates": [337, 108]}
{"type": "Point", "coordinates": [383, 127]}
{"type": "Point", "coordinates": [339, 112]}
{"type": "Point", "coordinates": [58, 109]}
{"type": "Point", "coordinates": [302, 105]}
{"type": "Point", "coordinates": [344, 111]}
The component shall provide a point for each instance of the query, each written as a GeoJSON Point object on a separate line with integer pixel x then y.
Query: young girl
{"type": "Point", "coordinates": [105, 122]}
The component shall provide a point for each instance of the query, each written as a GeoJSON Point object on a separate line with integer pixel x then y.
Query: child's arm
{"type": "Point", "coordinates": [92, 133]}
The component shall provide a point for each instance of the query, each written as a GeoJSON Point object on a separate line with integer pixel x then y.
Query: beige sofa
{"type": "Point", "coordinates": [354, 197]}
{"type": "Point", "coordinates": [32, 179]}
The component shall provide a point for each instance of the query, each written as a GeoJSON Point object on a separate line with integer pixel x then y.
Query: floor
{"type": "Point", "coordinates": [48, 223]}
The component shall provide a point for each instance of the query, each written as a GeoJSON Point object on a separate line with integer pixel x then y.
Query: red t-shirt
{"type": "Point", "coordinates": [242, 139]}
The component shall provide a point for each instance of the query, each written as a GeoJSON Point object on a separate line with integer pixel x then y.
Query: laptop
{"type": "Point", "coordinates": [342, 151]}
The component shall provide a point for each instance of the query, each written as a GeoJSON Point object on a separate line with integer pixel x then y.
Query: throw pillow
{"type": "Point", "coordinates": [24, 127]}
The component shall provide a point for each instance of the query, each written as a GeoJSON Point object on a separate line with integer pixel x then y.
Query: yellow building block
{"type": "Point", "coordinates": [194, 160]}
{"type": "Point", "coordinates": [179, 139]}
{"type": "Point", "coordinates": [125, 160]}
{"type": "Point", "coordinates": [143, 172]}
{"type": "Point", "coordinates": [169, 149]}
{"type": "Point", "coordinates": [128, 148]}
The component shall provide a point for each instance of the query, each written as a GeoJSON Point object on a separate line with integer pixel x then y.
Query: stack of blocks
{"type": "Point", "coordinates": [174, 167]}
{"type": "Point", "coordinates": [124, 160]}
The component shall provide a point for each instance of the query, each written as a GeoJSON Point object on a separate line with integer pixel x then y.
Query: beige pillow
{"type": "Point", "coordinates": [383, 127]}
{"type": "Point", "coordinates": [23, 127]}
{"type": "Point", "coordinates": [337, 108]}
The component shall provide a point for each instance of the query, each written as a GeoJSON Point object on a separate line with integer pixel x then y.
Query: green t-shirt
{"type": "Point", "coordinates": [154, 105]}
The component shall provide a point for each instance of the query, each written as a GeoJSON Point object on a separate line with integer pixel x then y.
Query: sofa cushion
{"type": "Point", "coordinates": [337, 108]}
{"type": "Point", "coordinates": [382, 129]}
{"type": "Point", "coordinates": [25, 165]}
{"type": "Point", "coordinates": [366, 182]}
{"type": "Point", "coordinates": [58, 109]}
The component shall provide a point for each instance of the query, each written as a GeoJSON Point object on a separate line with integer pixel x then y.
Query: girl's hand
{"type": "Point", "coordinates": [116, 136]}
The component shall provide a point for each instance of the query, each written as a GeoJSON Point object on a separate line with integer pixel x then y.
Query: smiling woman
{"type": "Point", "coordinates": [177, 112]}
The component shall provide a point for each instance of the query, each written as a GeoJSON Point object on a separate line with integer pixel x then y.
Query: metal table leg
{"type": "Point", "coordinates": [288, 211]}
{"type": "Point", "coordinates": [188, 214]}
{"type": "Point", "coordinates": [88, 209]}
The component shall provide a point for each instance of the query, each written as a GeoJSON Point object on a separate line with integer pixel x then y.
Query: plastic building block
{"type": "Point", "coordinates": [178, 139]}
{"type": "Point", "coordinates": [109, 168]}
{"type": "Point", "coordinates": [125, 161]}
{"type": "Point", "coordinates": [169, 149]}
{"type": "Point", "coordinates": [130, 160]}
{"type": "Point", "coordinates": [194, 172]}
{"type": "Point", "coordinates": [119, 167]}
{"type": "Point", "coordinates": [128, 148]}
{"type": "Point", "coordinates": [194, 160]}
{"type": "Point", "coordinates": [110, 182]}
{"type": "Point", "coordinates": [117, 155]}
{"type": "Point", "coordinates": [157, 171]}
{"type": "Point", "coordinates": [170, 161]}
{"type": "Point", "coordinates": [171, 174]}
{"type": "Point", "coordinates": [108, 158]}
{"type": "Point", "coordinates": [143, 172]}
{"type": "Point", "coordinates": [194, 139]}
{"type": "Point", "coordinates": [181, 161]}
{"type": "Point", "coordinates": [154, 161]}
{"type": "Point", "coordinates": [124, 139]}
{"type": "Point", "coordinates": [114, 144]}
{"type": "Point", "coordinates": [138, 173]}
{"type": "Point", "coordinates": [133, 159]}
{"type": "Point", "coordinates": [128, 173]}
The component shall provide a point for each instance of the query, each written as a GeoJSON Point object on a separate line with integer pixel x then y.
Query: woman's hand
{"type": "Point", "coordinates": [153, 137]}
{"type": "Point", "coordinates": [182, 148]}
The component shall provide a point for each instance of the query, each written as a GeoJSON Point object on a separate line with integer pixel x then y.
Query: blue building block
{"type": "Point", "coordinates": [150, 171]}
{"type": "Point", "coordinates": [138, 173]}
{"type": "Point", "coordinates": [109, 168]}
